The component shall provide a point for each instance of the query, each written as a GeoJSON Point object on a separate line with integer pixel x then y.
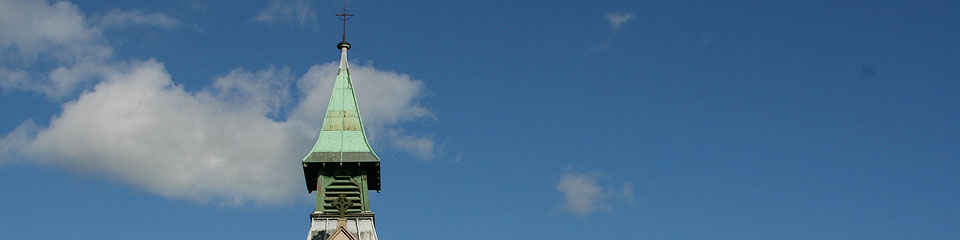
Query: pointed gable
{"type": "Point", "coordinates": [341, 234]}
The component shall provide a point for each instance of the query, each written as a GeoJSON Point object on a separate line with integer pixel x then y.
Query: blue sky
{"type": "Point", "coordinates": [519, 119]}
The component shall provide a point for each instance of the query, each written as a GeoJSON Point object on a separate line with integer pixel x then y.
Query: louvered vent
{"type": "Point", "coordinates": [346, 186]}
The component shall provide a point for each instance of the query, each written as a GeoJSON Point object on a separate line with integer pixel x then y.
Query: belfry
{"type": "Point", "coordinates": [342, 167]}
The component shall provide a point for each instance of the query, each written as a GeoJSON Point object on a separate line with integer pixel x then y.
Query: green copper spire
{"type": "Point", "coordinates": [342, 140]}
{"type": "Point", "coordinates": [341, 167]}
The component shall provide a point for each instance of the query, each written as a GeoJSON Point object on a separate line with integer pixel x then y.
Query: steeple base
{"type": "Point", "coordinates": [359, 226]}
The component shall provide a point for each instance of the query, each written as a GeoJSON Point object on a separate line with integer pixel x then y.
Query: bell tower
{"type": "Point", "coordinates": [342, 167]}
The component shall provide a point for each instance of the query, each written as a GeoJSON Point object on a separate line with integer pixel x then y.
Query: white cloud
{"type": "Point", "coordinates": [265, 89]}
{"type": "Point", "coordinates": [276, 11]}
{"type": "Point", "coordinates": [627, 192]}
{"type": "Point", "coordinates": [122, 18]}
{"type": "Point", "coordinates": [142, 128]}
{"type": "Point", "coordinates": [32, 26]}
{"type": "Point", "coordinates": [236, 141]}
{"type": "Point", "coordinates": [420, 146]}
{"type": "Point", "coordinates": [11, 79]}
{"type": "Point", "coordinates": [583, 195]}
{"type": "Point", "coordinates": [617, 19]}
{"type": "Point", "coordinates": [36, 33]}
{"type": "Point", "coordinates": [12, 145]}
{"type": "Point", "coordinates": [218, 144]}
{"type": "Point", "coordinates": [33, 31]}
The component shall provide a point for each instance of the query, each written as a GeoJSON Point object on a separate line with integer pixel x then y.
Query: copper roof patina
{"type": "Point", "coordinates": [342, 139]}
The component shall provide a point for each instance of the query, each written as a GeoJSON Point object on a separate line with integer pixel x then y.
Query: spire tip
{"type": "Point", "coordinates": [344, 16]}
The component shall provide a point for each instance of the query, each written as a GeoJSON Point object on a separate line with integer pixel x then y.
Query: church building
{"type": "Point", "coordinates": [342, 167]}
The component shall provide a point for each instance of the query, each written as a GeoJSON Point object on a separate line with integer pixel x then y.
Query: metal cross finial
{"type": "Point", "coordinates": [344, 16]}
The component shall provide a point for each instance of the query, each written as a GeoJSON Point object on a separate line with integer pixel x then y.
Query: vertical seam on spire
{"type": "Point", "coordinates": [343, 118]}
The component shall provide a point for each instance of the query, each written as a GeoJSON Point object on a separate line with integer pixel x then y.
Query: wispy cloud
{"type": "Point", "coordinates": [277, 11]}
{"type": "Point", "coordinates": [59, 35]}
{"type": "Point", "coordinates": [32, 31]}
{"type": "Point", "coordinates": [423, 147]}
{"type": "Point", "coordinates": [617, 19]}
{"type": "Point", "coordinates": [583, 195]}
{"type": "Point", "coordinates": [123, 18]}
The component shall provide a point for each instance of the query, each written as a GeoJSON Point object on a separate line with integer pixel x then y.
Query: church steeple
{"type": "Point", "coordinates": [342, 138]}
{"type": "Point", "coordinates": [342, 167]}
